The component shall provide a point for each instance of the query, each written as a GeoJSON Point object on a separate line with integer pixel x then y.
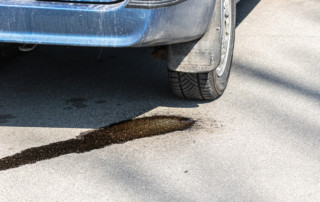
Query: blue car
{"type": "Point", "coordinates": [196, 37]}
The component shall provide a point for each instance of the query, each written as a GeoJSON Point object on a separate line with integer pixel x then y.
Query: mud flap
{"type": "Point", "coordinates": [202, 55]}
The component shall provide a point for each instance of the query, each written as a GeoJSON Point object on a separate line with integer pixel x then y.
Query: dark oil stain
{"type": "Point", "coordinates": [67, 108]}
{"type": "Point", "coordinates": [112, 134]}
{"type": "Point", "coordinates": [100, 101]}
{"type": "Point", "coordinates": [77, 102]}
{"type": "Point", "coordinates": [186, 171]}
{"type": "Point", "coordinates": [4, 118]}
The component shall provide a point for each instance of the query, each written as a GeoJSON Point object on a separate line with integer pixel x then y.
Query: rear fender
{"type": "Point", "coordinates": [202, 55]}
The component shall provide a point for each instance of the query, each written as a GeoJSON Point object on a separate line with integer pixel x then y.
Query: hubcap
{"type": "Point", "coordinates": [226, 32]}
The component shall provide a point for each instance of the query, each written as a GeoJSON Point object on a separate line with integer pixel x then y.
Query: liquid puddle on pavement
{"type": "Point", "coordinates": [96, 139]}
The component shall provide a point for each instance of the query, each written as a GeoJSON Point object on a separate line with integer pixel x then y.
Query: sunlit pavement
{"type": "Point", "coordinates": [258, 142]}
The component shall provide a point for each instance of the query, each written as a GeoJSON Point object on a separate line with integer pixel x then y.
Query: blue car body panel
{"type": "Point", "coordinates": [109, 25]}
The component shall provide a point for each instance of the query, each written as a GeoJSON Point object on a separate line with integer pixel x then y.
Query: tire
{"type": "Point", "coordinates": [209, 85]}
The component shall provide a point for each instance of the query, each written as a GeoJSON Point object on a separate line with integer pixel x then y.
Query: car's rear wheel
{"type": "Point", "coordinates": [210, 85]}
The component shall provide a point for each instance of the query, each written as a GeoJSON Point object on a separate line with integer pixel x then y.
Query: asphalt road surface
{"type": "Point", "coordinates": [259, 142]}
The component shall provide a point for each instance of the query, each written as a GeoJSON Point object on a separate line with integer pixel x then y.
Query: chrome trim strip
{"type": "Point", "coordinates": [152, 3]}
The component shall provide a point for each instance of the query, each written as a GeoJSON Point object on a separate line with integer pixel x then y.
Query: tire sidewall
{"type": "Point", "coordinates": [222, 81]}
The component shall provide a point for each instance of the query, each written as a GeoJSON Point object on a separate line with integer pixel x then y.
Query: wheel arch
{"type": "Point", "coordinates": [201, 55]}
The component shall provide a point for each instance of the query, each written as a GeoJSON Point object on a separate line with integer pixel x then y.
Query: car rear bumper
{"type": "Point", "coordinates": [108, 25]}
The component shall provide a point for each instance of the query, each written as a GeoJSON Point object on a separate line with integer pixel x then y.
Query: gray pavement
{"type": "Point", "coordinates": [259, 142]}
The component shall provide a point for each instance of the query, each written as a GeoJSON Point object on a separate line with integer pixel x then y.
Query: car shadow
{"type": "Point", "coordinates": [77, 87]}
{"type": "Point", "coordinates": [244, 7]}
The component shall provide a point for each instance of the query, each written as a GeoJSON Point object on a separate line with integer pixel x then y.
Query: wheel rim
{"type": "Point", "coordinates": [226, 35]}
